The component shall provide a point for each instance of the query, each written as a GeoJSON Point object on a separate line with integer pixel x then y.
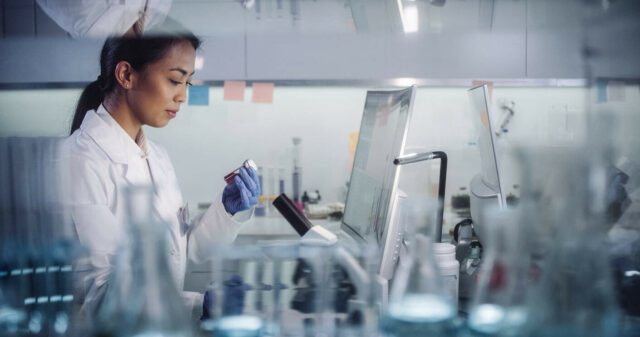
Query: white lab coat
{"type": "Point", "coordinates": [103, 18]}
{"type": "Point", "coordinates": [103, 160]}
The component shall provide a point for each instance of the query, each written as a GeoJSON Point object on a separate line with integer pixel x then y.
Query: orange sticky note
{"type": "Point", "coordinates": [353, 141]}
{"type": "Point", "coordinates": [475, 83]}
{"type": "Point", "coordinates": [262, 93]}
{"type": "Point", "coordinates": [234, 90]}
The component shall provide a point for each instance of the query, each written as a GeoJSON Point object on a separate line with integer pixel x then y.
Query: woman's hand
{"type": "Point", "coordinates": [243, 193]}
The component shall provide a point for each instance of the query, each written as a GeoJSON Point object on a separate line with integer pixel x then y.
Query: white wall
{"type": "Point", "coordinates": [207, 142]}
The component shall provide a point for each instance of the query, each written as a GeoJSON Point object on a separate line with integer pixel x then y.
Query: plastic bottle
{"type": "Point", "coordinates": [448, 268]}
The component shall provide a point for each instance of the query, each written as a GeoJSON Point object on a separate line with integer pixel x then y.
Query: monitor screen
{"type": "Point", "coordinates": [381, 139]}
{"type": "Point", "coordinates": [481, 118]}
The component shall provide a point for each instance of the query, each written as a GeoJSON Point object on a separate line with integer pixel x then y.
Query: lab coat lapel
{"type": "Point", "coordinates": [108, 139]}
{"type": "Point", "coordinates": [164, 204]}
{"type": "Point", "coordinates": [105, 136]}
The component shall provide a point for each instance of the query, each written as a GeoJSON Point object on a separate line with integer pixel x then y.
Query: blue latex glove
{"type": "Point", "coordinates": [243, 193]}
{"type": "Point", "coordinates": [234, 294]}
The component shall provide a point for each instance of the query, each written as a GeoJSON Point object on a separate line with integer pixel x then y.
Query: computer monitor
{"type": "Point", "coordinates": [373, 201]}
{"type": "Point", "coordinates": [486, 187]}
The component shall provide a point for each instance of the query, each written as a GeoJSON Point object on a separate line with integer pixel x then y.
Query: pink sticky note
{"type": "Point", "coordinates": [234, 90]}
{"type": "Point", "coordinates": [262, 93]}
{"type": "Point", "coordinates": [476, 83]}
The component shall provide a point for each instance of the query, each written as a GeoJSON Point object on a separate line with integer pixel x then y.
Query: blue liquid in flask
{"type": "Point", "coordinates": [420, 315]}
{"type": "Point", "coordinates": [492, 319]}
{"type": "Point", "coordinates": [239, 326]}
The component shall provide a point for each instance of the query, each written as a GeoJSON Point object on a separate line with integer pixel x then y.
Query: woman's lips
{"type": "Point", "coordinates": [172, 113]}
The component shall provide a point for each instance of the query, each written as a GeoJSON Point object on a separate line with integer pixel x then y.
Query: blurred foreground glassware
{"type": "Point", "coordinates": [418, 306]}
{"type": "Point", "coordinates": [142, 298]}
{"type": "Point", "coordinates": [575, 295]}
{"type": "Point", "coordinates": [499, 305]}
{"type": "Point", "coordinates": [36, 253]}
{"type": "Point", "coordinates": [240, 281]}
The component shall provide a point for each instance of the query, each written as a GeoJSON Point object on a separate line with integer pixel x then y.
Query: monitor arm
{"type": "Point", "coordinates": [418, 157]}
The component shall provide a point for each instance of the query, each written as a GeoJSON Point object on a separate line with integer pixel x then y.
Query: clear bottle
{"type": "Point", "coordinates": [280, 180]}
{"type": "Point", "coordinates": [142, 298]}
{"type": "Point", "coordinates": [418, 305]}
{"type": "Point", "coordinates": [297, 170]}
{"type": "Point", "coordinates": [261, 207]}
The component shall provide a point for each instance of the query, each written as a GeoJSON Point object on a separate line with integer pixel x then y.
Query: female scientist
{"type": "Point", "coordinates": [143, 81]}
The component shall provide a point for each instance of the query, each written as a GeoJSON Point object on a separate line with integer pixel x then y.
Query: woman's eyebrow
{"type": "Point", "coordinates": [182, 71]}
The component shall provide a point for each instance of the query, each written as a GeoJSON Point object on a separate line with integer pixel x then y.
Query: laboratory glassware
{"type": "Point", "coordinates": [240, 289]}
{"type": "Point", "coordinates": [261, 207]}
{"type": "Point", "coordinates": [296, 180]}
{"type": "Point", "coordinates": [499, 306]}
{"type": "Point", "coordinates": [575, 294]}
{"type": "Point", "coordinates": [142, 297]}
{"type": "Point", "coordinates": [280, 180]}
{"type": "Point", "coordinates": [417, 302]}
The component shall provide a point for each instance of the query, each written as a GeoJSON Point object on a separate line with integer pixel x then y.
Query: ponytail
{"type": "Point", "coordinates": [90, 99]}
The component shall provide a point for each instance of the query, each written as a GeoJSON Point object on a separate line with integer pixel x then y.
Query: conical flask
{"type": "Point", "coordinates": [499, 306]}
{"type": "Point", "coordinates": [142, 298]}
{"type": "Point", "coordinates": [575, 295]}
{"type": "Point", "coordinates": [418, 304]}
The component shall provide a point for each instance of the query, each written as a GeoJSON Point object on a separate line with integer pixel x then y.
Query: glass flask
{"type": "Point", "coordinates": [575, 295]}
{"type": "Point", "coordinates": [142, 298]}
{"type": "Point", "coordinates": [418, 306]}
{"type": "Point", "coordinates": [499, 306]}
{"type": "Point", "coordinates": [239, 290]}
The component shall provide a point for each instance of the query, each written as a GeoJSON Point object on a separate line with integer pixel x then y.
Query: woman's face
{"type": "Point", "coordinates": [159, 89]}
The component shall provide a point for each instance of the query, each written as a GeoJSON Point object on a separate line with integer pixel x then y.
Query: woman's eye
{"type": "Point", "coordinates": [175, 82]}
{"type": "Point", "coordinates": [189, 84]}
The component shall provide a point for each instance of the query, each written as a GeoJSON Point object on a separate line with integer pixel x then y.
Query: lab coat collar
{"type": "Point", "coordinates": [112, 138]}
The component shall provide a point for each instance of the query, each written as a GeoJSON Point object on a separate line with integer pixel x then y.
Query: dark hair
{"type": "Point", "coordinates": [138, 51]}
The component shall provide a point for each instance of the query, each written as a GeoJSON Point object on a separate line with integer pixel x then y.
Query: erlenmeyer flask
{"type": "Point", "coordinates": [499, 307]}
{"type": "Point", "coordinates": [142, 298]}
{"type": "Point", "coordinates": [418, 306]}
{"type": "Point", "coordinates": [575, 295]}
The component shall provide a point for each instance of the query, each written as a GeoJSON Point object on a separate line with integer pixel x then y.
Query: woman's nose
{"type": "Point", "coordinates": [181, 95]}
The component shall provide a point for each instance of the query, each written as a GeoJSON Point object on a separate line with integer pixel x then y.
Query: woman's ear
{"type": "Point", "coordinates": [125, 74]}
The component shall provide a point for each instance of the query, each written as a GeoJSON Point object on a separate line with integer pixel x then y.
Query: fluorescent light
{"type": "Point", "coordinates": [404, 81]}
{"type": "Point", "coordinates": [408, 16]}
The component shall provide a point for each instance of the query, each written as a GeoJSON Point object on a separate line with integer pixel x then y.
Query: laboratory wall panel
{"type": "Point", "coordinates": [223, 58]}
{"type": "Point", "coordinates": [553, 54]}
{"type": "Point", "coordinates": [555, 39]}
{"type": "Point", "coordinates": [19, 18]}
{"type": "Point", "coordinates": [456, 55]}
{"type": "Point", "coordinates": [45, 26]}
{"type": "Point", "coordinates": [209, 18]}
{"type": "Point", "coordinates": [318, 56]}
{"type": "Point", "coordinates": [612, 41]}
{"type": "Point", "coordinates": [49, 60]}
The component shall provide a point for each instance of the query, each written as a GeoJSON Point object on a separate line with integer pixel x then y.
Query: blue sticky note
{"type": "Point", "coordinates": [199, 95]}
{"type": "Point", "coordinates": [602, 91]}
